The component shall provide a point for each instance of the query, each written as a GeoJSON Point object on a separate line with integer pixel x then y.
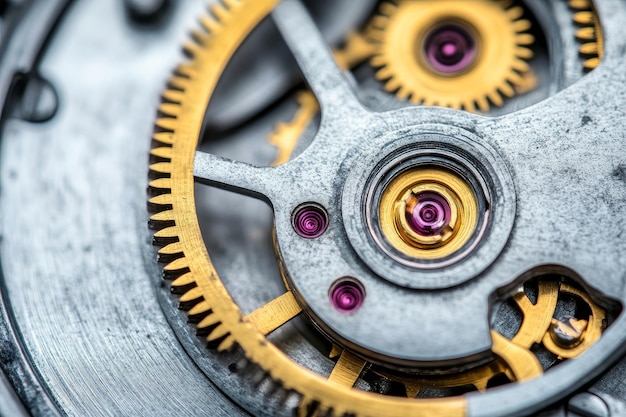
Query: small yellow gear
{"type": "Point", "coordinates": [590, 33]}
{"type": "Point", "coordinates": [464, 54]}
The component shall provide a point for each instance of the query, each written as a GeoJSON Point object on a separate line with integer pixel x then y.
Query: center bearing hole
{"type": "Point", "coordinates": [428, 213]}
{"type": "Point", "coordinates": [450, 48]}
{"type": "Point", "coordinates": [347, 295]}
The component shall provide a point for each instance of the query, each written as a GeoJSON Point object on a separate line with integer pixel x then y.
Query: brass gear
{"type": "Point", "coordinates": [194, 278]}
{"type": "Point", "coordinates": [496, 27]}
{"type": "Point", "coordinates": [590, 33]}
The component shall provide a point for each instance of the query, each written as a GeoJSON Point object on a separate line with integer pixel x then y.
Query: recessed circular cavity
{"type": "Point", "coordinates": [347, 295]}
{"type": "Point", "coordinates": [381, 193]}
{"type": "Point", "coordinates": [310, 221]}
{"type": "Point", "coordinates": [450, 49]}
{"type": "Point", "coordinates": [427, 213]}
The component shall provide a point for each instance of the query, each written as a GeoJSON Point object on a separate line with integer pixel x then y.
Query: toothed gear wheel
{"type": "Point", "coordinates": [589, 34]}
{"type": "Point", "coordinates": [453, 53]}
{"type": "Point", "coordinates": [447, 188]}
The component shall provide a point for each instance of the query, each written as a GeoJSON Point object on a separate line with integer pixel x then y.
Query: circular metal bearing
{"type": "Point", "coordinates": [449, 147]}
{"type": "Point", "coordinates": [317, 176]}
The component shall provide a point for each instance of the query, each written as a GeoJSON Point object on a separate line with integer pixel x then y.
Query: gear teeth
{"type": "Point", "coordinates": [167, 233]}
{"type": "Point", "coordinates": [591, 64]}
{"type": "Point", "coordinates": [162, 219]}
{"type": "Point", "coordinates": [218, 333]}
{"type": "Point", "coordinates": [583, 18]}
{"type": "Point", "coordinates": [200, 309]}
{"type": "Point", "coordinates": [171, 249]}
{"type": "Point", "coordinates": [184, 280]}
{"type": "Point", "coordinates": [178, 83]}
{"type": "Point", "coordinates": [525, 39]}
{"type": "Point", "coordinates": [220, 12]}
{"type": "Point", "coordinates": [388, 9]}
{"type": "Point", "coordinates": [396, 72]}
{"type": "Point", "coordinates": [191, 49]}
{"type": "Point", "coordinates": [524, 53]}
{"type": "Point", "coordinates": [172, 96]}
{"type": "Point", "coordinates": [209, 321]}
{"type": "Point", "coordinates": [191, 295]}
{"type": "Point", "coordinates": [170, 253]}
{"type": "Point", "coordinates": [201, 38]}
{"type": "Point", "coordinates": [589, 35]}
{"type": "Point", "coordinates": [521, 66]}
{"type": "Point", "coordinates": [161, 184]}
{"type": "Point", "coordinates": [522, 25]}
{"type": "Point", "coordinates": [515, 13]}
{"type": "Point", "coordinates": [483, 104]}
{"type": "Point", "coordinates": [159, 203]}
{"type": "Point", "coordinates": [379, 22]}
{"type": "Point", "coordinates": [210, 24]}
{"type": "Point", "coordinates": [165, 138]}
{"type": "Point", "coordinates": [495, 98]}
{"type": "Point", "coordinates": [163, 152]}
{"type": "Point", "coordinates": [161, 168]}
{"type": "Point", "coordinates": [167, 123]}
{"type": "Point", "coordinates": [170, 109]}
{"type": "Point", "coordinates": [506, 90]}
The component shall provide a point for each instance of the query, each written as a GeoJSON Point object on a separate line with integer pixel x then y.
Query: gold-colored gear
{"type": "Point", "coordinates": [463, 208]}
{"type": "Point", "coordinates": [590, 33]}
{"type": "Point", "coordinates": [502, 52]}
{"type": "Point", "coordinates": [193, 275]}
{"type": "Point", "coordinates": [585, 333]}
{"type": "Point", "coordinates": [368, 43]}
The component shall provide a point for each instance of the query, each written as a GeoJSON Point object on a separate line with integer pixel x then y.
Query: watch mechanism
{"type": "Point", "coordinates": [354, 209]}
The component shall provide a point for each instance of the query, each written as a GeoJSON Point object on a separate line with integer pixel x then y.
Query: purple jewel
{"type": "Point", "coordinates": [310, 221]}
{"type": "Point", "coordinates": [430, 215]}
{"type": "Point", "coordinates": [450, 49]}
{"type": "Point", "coordinates": [346, 296]}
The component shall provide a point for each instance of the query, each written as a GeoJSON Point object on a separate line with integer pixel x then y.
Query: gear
{"type": "Point", "coordinates": [204, 296]}
{"type": "Point", "coordinates": [460, 54]}
{"type": "Point", "coordinates": [590, 33]}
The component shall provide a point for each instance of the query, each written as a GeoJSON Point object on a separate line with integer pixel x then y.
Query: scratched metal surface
{"type": "Point", "coordinates": [78, 266]}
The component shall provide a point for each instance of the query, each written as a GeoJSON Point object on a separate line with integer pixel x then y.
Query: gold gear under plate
{"type": "Point", "coordinates": [590, 33]}
{"type": "Point", "coordinates": [203, 294]}
{"type": "Point", "coordinates": [499, 67]}
{"type": "Point", "coordinates": [179, 130]}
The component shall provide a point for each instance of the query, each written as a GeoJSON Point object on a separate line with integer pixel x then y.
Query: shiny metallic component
{"type": "Point", "coordinates": [347, 295]}
{"type": "Point", "coordinates": [475, 55]}
{"type": "Point", "coordinates": [567, 334]}
{"type": "Point", "coordinates": [89, 326]}
{"type": "Point", "coordinates": [391, 140]}
{"type": "Point", "coordinates": [589, 35]}
{"type": "Point", "coordinates": [572, 339]}
{"type": "Point", "coordinates": [310, 221]}
{"type": "Point", "coordinates": [427, 213]}
{"type": "Point", "coordinates": [587, 404]}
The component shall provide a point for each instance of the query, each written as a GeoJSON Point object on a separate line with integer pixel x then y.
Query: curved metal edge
{"type": "Point", "coordinates": [10, 404]}
{"type": "Point", "coordinates": [24, 44]}
{"type": "Point", "coordinates": [16, 370]}
{"type": "Point", "coordinates": [21, 388]}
